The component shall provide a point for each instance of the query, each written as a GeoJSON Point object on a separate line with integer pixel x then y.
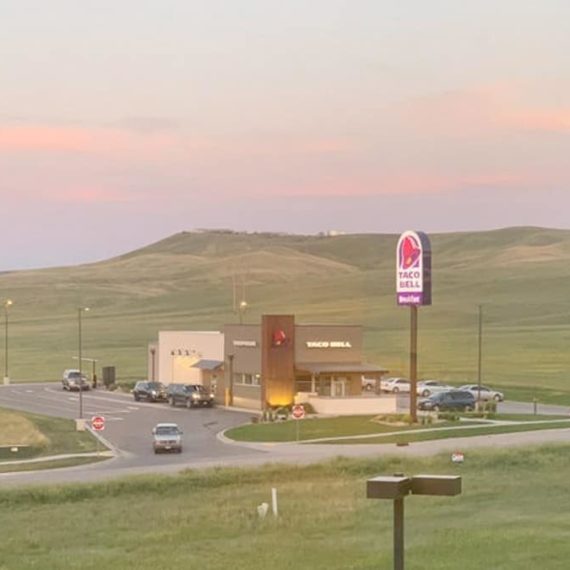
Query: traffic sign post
{"type": "Point", "coordinates": [97, 424]}
{"type": "Point", "coordinates": [298, 413]}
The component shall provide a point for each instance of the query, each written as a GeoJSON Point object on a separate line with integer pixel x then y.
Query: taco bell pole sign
{"type": "Point", "coordinates": [413, 269]}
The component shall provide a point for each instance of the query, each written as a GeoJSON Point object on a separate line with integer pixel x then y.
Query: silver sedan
{"type": "Point", "coordinates": [486, 392]}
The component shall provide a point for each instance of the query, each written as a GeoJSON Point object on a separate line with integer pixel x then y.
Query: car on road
{"type": "Point", "coordinates": [451, 400]}
{"type": "Point", "coordinates": [486, 392]}
{"type": "Point", "coordinates": [149, 391]}
{"type": "Point", "coordinates": [426, 388]}
{"type": "Point", "coordinates": [167, 437]}
{"type": "Point", "coordinates": [74, 380]}
{"type": "Point", "coordinates": [189, 395]}
{"type": "Point", "coordinates": [395, 385]}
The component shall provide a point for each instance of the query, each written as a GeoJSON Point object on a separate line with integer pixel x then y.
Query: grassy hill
{"type": "Point", "coordinates": [520, 275]}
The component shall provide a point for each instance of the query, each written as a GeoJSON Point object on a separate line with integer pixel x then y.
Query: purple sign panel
{"type": "Point", "coordinates": [413, 269]}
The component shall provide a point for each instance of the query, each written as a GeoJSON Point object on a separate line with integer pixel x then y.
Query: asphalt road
{"type": "Point", "coordinates": [129, 425]}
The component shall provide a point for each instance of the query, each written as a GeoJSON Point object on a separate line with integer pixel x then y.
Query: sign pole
{"type": "Point", "coordinates": [399, 533]}
{"type": "Point", "coordinates": [414, 363]}
{"type": "Point", "coordinates": [297, 422]}
{"type": "Point", "coordinates": [413, 289]}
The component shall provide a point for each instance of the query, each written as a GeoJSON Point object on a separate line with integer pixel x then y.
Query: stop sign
{"type": "Point", "coordinates": [298, 412]}
{"type": "Point", "coordinates": [98, 423]}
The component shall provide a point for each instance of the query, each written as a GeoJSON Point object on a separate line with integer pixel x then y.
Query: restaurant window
{"type": "Point", "coordinates": [247, 379]}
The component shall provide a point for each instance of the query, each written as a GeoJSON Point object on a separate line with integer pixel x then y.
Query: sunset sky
{"type": "Point", "coordinates": [125, 121]}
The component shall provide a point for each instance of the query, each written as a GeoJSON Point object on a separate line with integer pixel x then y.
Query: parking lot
{"type": "Point", "coordinates": [129, 423]}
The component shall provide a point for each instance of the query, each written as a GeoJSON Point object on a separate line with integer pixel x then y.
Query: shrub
{"type": "Point", "coordinates": [393, 418]}
{"type": "Point", "coordinates": [449, 416]}
{"type": "Point", "coordinates": [282, 413]}
{"type": "Point", "coordinates": [124, 385]}
{"type": "Point", "coordinates": [308, 408]}
{"type": "Point", "coordinates": [426, 420]}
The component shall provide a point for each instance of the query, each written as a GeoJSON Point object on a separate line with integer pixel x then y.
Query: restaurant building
{"type": "Point", "coordinates": [186, 357]}
{"type": "Point", "coordinates": [280, 362]}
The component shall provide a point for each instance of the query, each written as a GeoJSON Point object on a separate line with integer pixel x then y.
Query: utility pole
{"type": "Point", "coordinates": [480, 355]}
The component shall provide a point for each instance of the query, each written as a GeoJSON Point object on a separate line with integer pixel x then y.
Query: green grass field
{"type": "Point", "coordinates": [520, 275]}
{"type": "Point", "coordinates": [40, 436]}
{"type": "Point", "coordinates": [352, 426]}
{"type": "Point", "coordinates": [512, 514]}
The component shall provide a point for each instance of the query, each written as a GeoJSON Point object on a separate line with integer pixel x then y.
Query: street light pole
{"type": "Point", "coordinates": [7, 304]}
{"type": "Point", "coordinates": [480, 356]}
{"type": "Point", "coordinates": [242, 308]}
{"type": "Point", "coordinates": [80, 311]}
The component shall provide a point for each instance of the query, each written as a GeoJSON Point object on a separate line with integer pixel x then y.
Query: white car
{"type": "Point", "coordinates": [426, 388]}
{"type": "Point", "coordinates": [395, 385]}
{"type": "Point", "coordinates": [368, 384]}
{"type": "Point", "coordinates": [486, 392]}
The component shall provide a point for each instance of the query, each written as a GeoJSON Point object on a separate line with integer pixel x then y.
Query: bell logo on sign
{"type": "Point", "coordinates": [413, 269]}
{"type": "Point", "coordinates": [279, 338]}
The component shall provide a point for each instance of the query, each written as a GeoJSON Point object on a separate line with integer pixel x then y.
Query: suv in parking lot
{"type": "Point", "coordinates": [150, 391]}
{"type": "Point", "coordinates": [457, 400]}
{"type": "Point", "coordinates": [189, 395]}
{"type": "Point", "coordinates": [74, 380]}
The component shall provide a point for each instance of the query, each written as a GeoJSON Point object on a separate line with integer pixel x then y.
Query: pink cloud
{"type": "Point", "coordinates": [398, 184]}
{"type": "Point", "coordinates": [90, 140]}
{"type": "Point", "coordinates": [81, 194]}
{"type": "Point", "coordinates": [539, 120]}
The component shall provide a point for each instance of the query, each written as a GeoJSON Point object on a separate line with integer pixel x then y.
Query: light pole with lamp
{"type": "Point", "coordinates": [479, 356]}
{"type": "Point", "coordinates": [242, 308]}
{"type": "Point", "coordinates": [7, 304]}
{"type": "Point", "coordinates": [80, 311]}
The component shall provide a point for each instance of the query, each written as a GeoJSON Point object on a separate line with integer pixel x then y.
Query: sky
{"type": "Point", "coordinates": [125, 121]}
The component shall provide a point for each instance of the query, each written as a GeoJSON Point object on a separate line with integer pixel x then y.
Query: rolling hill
{"type": "Point", "coordinates": [519, 275]}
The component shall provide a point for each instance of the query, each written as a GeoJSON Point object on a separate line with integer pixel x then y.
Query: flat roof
{"type": "Point", "coordinates": [208, 364]}
{"type": "Point", "coordinates": [331, 367]}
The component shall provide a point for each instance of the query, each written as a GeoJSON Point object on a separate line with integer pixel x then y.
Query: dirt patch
{"type": "Point", "coordinates": [18, 430]}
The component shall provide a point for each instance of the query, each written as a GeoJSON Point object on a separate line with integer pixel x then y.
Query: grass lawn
{"type": "Point", "coordinates": [40, 435]}
{"type": "Point", "coordinates": [347, 426]}
{"type": "Point", "coordinates": [50, 464]}
{"type": "Point", "coordinates": [513, 514]}
{"type": "Point", "coordinates": [541, 395]}
{"type": "Point", "coordinates": [445, 433]}
{"type": "Point", "coordinates": [313, 428]}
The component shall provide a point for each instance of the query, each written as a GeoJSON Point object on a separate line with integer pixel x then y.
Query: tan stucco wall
{"type": "Point", "coordinates": [193, 346]}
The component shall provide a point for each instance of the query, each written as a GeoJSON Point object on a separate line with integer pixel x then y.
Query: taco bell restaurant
{"type": "Point", "coordinates": [280, 362]}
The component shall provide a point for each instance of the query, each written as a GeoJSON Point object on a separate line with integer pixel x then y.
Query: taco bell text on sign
{"type": "Point", "coordinates": [413, 269]}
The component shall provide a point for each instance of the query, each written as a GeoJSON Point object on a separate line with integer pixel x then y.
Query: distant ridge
{"type": "Point", "coordinates": [520, 275]}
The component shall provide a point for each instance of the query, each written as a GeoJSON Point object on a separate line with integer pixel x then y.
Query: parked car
{"type": "Point", "coordinates": [395, 385]}
{"type": "Point", "coordinates": [189, 395]}
{"type": "Point", "coordinates": [149, 391]}
{"type": "Point", "coordinates": [74, 380]}
{"type": "Point", "coordinates": [486, 392]}
{"type": "Point", "coordinates": [452, 400]}
{"type": "Point", "coordinates": [426, 388]}
{"type": "Point", "coordinates": [369, 384]}
{"type": "Point", "coordinates": [167, 437]}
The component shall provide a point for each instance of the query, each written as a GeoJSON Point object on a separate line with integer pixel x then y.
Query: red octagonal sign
{"type": "Point", "coordinates": [298, 412]}
{"type": "Point", "coordinates": [98, 423]}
